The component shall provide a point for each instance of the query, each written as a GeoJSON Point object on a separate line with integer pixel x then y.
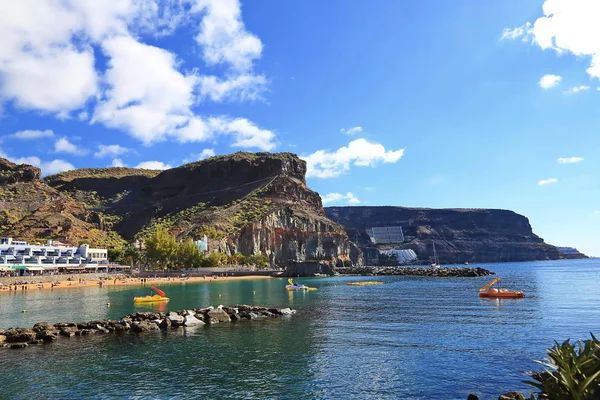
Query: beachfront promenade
{"type": "Point", "coordinates": [58, 281]}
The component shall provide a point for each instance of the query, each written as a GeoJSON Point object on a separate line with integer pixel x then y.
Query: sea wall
{"type": "Point", "coordinates": [44, 332]}
{"type": "Point", "coordinates": [414, 271]}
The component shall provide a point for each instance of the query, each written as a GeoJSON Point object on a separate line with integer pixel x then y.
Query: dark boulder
{"type": "Point", "coordinates": [143, 326]}
{"type": "Point", "coordinates": [68, 331]}
{"type": "Point", "coordinates": [42, 326]}
{"type": "Point", "coordinates": [17, 335]}
{"type": "Point", "coordinates": [216, 316]}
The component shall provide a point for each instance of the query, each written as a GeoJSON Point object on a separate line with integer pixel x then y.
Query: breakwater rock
{"type": "Point", "coordinates": [412, 271]}
{"type": "Point", "coordinates": [44, 332]}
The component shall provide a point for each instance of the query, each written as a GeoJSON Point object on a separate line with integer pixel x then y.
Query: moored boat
{"type": "Point", "coordinates": [297, 286]}
{"type": "Point", "coordinates": [488, 291]}
{"type": "Point", "coordinates": [159, 297]}
{"type": "Point", "coordinates": [150, 299]}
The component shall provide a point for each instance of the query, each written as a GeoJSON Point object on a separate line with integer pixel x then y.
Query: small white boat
{"type": "Point", "coordinates": [436, 261]}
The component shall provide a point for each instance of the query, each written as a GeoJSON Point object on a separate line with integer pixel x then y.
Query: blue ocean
{"type": "Point", "coordinates": [411, 338]}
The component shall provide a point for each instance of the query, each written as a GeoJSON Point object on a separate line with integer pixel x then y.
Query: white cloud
{"type": "Point", "coordinates": [153, 165]}
{"type": "Point", "coordinates": [56, 166]}
{"type": "Point", "coordinates": [33, 134]}
{"type": "Point", "coordinates": [47, 167]}
{"type": "Point", "coordinates": [359, 152]}
{"type": "Point", "coordinates": [242, 87]}
{"type": "Point", "coordinates": [569, 160]}
{"type": "Point", "coordinates": [147, 95]}
{"type": "Point", "coordinates": [206, 153]}
{"type": "Point", "coordinates": [117, 162]}
{"type": "Point", "coordinates": [352, 131]}
{"type": "Point", "coordinates": [48, 63]}
{"type": "Point", "coordinates": [63, 145]}
{"type": "Point", "coordinates": [549, 80]}
{"type": "Point", "coordinates": [567, 26]}
{"type": "Point", "coordinates": [245, 133]}
{"type": "Point", "coordinates": [349, 198]}
{"type": "Point", "coordinates": [576, 89]}
{"type": "Point", "coordinates": [596, 212]}
{"type": "Point", "coordinates": [223, 36]}
{"type": "Point", "coordinates": [110, 150]}
{"type": "Point", "coordinates": [521, 31]}
{"type": "Point", "coordinates": [547, 181]}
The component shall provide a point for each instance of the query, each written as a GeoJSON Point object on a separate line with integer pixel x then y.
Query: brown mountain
{"type": "Point", "coordinates": [460, 235]}
{"type": "Point", "coordinates": [31, 210]}
{"type": "Point", "coordinates": [244, 202]}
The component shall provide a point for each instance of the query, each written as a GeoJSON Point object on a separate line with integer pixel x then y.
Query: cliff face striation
{"type": "Point", "coordinates": [252, 203]}
{"type": "Point", "coordinates": [460, 235]}
{"type": "Point", "coordinates": [31, 210]}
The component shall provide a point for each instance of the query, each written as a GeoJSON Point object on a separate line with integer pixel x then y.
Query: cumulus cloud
{"type": "Point", "coordinates": [337, 198]}
{"type": "Point", "coordinates": [223, 36]}
{"type": "Point", "coordinates": [153, 165]}
{"type": "Point", "coordinates": [48, 63]}
{"type": "Point", "coordinates": [352, 131]}
{"type": "Point", "coordinates": [547, 181]}
{"type": "Point", "coordinates": [242, 87]}
{"type": "Point", "coordinates": [111, 150]}
{"type": "Point", "coordinates": [566, 26]}
{"type": "Point", "coordinates": [117, 162]}
{"type": "Point", "coordinates": [549, 80]}
{"type": "Point", "coordinates": [576, 89]}
{"type": "Point", "coordinates": [147, 95]}
{"type": "Point", "coordinates": [32, 134]}
{"type": "Point", "coordinates": [56, 166]}
{"type": "Point", "coordinates": [63, 145]}
{"type": "Point", "coordinates": [206, 153]}
{"type": "Point", "coordinates": [569, 160]}
{"type": "Point", "coordinates": [359, 153]}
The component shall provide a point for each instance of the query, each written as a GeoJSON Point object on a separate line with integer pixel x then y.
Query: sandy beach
{"type": "Point", "coordinates": [63, 283]}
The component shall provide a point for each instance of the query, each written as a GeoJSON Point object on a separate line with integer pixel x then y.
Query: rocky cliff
{"type": "Point", "coordinates": [460, 235]}
{"type": "Point", "coordinates": [31, 210]}
{"type": "Point", "coordinates": [253, 203]}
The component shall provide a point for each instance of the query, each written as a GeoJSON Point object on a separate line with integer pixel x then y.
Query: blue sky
{"type": "Point", "coordinates": [423, 104]}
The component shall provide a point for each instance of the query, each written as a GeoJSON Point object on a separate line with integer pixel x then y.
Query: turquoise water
{"type": "Point", "coordinates": [412, 338]}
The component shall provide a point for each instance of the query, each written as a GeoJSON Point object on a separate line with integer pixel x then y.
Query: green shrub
{"type": "Point", "coordinates": [573, 372]}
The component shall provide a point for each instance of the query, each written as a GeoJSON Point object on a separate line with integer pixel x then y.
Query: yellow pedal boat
{"type": "Point", "coordinates": [150, 299]}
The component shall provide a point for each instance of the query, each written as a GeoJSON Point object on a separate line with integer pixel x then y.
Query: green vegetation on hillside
{"type": "Point", "coordinates": [164, 252]}
{"type": "Point", "coordinates": [113, 172]}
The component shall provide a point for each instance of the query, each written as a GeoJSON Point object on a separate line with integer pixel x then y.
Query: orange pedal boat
{"type": "Point", "coordinates": [488, 291]}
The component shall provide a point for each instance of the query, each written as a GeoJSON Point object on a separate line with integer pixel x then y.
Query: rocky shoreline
{"type": "Point", "coordinates": [44, 332]}
{"type": "Point", "coordinates": [413, 271]}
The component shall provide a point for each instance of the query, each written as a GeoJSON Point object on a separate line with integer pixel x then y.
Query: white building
{"type": "Point", "coordinates": [52, 256]}
{"type": "Point", "coordinates": [403, 256]}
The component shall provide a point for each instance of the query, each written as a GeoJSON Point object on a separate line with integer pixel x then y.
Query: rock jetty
{"type": "Point", "coordinates": [44, 332]}
{"type": "Point", "coordinates": [414, 271]}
